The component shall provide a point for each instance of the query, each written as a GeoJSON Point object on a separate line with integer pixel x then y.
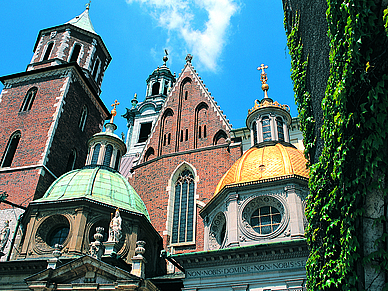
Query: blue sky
{"type": "Point", "coordinates": [228, 39]}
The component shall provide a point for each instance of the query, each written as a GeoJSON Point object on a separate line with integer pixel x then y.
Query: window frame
{"type": "Point", "coordinates": [29, 99]}
{"type": "Point", "coordinates": [8, 154]}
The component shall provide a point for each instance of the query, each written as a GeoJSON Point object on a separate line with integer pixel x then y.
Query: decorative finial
{"type": "Point", "coordinates": [134, 101]}
{"type": "Point", "coordinates": [165, 58]}
{"type": "Point", "coordinates": [88, 5]}
{"type": "Point", "coordinates": [189, 58]}
{"type": "Point", "coordinates": [114, 112]}
{"type": "Point", "coordinates": [263, 79]}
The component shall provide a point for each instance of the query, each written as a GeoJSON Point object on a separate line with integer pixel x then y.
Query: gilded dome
{"type": "Point", "coordinates": [98, 184]}
{"type": "Point", "coordinates": [274, 160]}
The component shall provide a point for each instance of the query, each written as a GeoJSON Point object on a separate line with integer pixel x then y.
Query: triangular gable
{"type": "Point", "coordinates": [78, 268]}
{"type": "Point", "coordinates": [184, 129]}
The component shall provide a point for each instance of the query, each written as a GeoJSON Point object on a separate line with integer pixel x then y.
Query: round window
{"type": "Point", "coordinates": [58, 236]}
{"type": "Point", "coordinates": [266, 219]}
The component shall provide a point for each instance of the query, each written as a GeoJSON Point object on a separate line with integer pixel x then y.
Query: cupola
{"type": "Point", "coordinates": [160, 81]}
{"type": "Point", "coordinates": [106, 148]}
{"type": "Point", "coordinates": [268, 120]}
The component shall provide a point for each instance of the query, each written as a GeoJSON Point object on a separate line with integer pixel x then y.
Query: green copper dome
{"type": "Point", "coordinates": [98, 184]}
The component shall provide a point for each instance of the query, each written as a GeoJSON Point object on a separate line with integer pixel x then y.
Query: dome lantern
{"type": "Point", "coordinates": [268, 120]}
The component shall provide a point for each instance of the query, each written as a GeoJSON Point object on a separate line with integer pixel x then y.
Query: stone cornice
{"type": "Point", "coordinates": [292, 249]}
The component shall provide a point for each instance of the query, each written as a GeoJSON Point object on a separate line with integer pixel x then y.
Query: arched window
{"type": "Point", "coordinates": [149, 153]}
{"type": "Point", "coordinates": [71, 160]}
{"type": "Point", "coordinates": [181, 135]}
{"type": "Point", "coordinates": [155, 88]}
{"type": "Point", "coordinates": [279, 125]}
{"type": "Point", "coordinates": [220, 137]}
{"type": "Point", "coordinates": [82, 120]}
{"type": "Point", "coordinates": [95, 69]}
{"type": "Point", "coordinates": [254, 129]}
{"type": "Point", "coordinates": [266, 125]}
{"type": "Point", "coordinates": [96, 153]}
{"type": "Point", "coordinates": [48, 51]}
{"type": "Point", "coordinates": [183, 213]}
{"type": "Point", "coordinates": [187, 134]}
{"type": "Point", "coordinates": [108, 155]}
{"type": "Point", "coordinates": [11, 149]}
{"type": "Point", "coordinates": [169, 138]}
{"type": "Point", "coordinates": [75, 53]}
{"type": "Point", "coordinates": [117, 162]}
{"type": "Point", "coordinates": [29, 99]}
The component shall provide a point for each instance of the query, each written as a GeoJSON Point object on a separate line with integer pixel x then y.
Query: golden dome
{"type": "Point", "coordinates": [267, 162]}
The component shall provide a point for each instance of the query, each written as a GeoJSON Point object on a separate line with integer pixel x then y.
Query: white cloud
{"type": "Point", "coordinates": [181, 17]}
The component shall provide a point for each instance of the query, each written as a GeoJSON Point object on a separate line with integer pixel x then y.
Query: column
{"type": "Point", "coordinates": [232, 228]}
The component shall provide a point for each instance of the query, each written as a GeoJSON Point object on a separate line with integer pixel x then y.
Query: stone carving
{"type": "Point", "coordinates": [140, 250]}
{"type": "Point", "coordinates": [97, 248]}
{"type": "Point", "coordinates": [115, 227]}
{"type": "Point", "coordinates": [4, 234]}
{"type": "Point", "coordinates": [217, 232]}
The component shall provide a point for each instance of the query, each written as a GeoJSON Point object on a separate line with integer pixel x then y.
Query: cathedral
{"type": "Point", "coordinates": [183, 202]}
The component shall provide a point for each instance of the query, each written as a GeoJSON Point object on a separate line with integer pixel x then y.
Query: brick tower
{"type": "Point", "coordinates": [48, 112]}
{"type": "Point", "coordinates": [188, 151]}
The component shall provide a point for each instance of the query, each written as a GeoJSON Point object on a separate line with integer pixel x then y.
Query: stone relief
{"type": "Point", "coordinates": [4, 235]}
{"type": "Point", "coordinates": [217, 232]}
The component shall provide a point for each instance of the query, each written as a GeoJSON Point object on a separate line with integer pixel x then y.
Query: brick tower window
{"type": "Point", "coordinates": [11, 149]}
{"type": "Point", "coordinates": [183, 214]}
{"type": "Point", "coordinates": [71, 161]}
{"type": "Point", "coordinates": [75, 53]}
{"type": "Point", "coordinates": [29, 99]}
{"type": "Point", "coordinates": [82, 120]}
{"type": "Point", "coordinates": [48, 51]}
{"type": "Point", "coordinates": [95, 69]}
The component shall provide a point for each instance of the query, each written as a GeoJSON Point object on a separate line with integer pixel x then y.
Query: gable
{"type": "Point", "coordinates": [189, 119]}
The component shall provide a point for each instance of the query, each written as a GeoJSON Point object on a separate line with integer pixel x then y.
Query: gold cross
{"type": "Point", "coordinates": [263, 75]}
{"type": "Point", "coordinates": [114, 112]}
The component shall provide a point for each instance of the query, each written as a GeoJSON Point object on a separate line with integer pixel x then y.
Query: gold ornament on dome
{"type": "Point", "coordinates": [114, 112]}
{"type": "Point", "coordinates": [267, 103]}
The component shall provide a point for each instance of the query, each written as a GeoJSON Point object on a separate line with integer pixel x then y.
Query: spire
{"type": "Point", "coordinates": [263, 79]}
{"type": "Point", "coordinates": [83, 20]}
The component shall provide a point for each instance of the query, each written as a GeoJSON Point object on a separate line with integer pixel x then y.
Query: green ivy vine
{"type": "Point", "coordinates": [354, 159]}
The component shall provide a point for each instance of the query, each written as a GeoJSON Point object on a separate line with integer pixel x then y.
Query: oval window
{"type": "Point", "coordinates": [58, 236]}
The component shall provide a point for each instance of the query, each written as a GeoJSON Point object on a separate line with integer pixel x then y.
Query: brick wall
{"type": "Point", "coordinates": [188, 106]}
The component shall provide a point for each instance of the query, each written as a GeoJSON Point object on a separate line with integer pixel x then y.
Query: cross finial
{"type": "Point", "coordinates": [114, 112]}
{"type": "Point", "coordinates": [263, 75]}
{"type": "Point", "coordinates": [88, 4]}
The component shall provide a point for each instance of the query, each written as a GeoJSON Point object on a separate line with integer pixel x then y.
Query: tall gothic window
{"type": "Point", "coordinates": [82, 120]}
{"type": "Point", "coordinates": [183, 215]}
{"type": "Point", "coordinates": [10, 150]}
{"type": "Point", "coordinates": [29, 99]}
{"type": "Point", "coordinates": [71, 161]}
{"type": "Point", "coordinates": [266, 129]}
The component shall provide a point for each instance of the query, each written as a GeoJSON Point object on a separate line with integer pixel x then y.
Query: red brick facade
{"type": "Point", "coordinates": [191, 130]}
{"type": "Point", "coordinates": [49, 130]}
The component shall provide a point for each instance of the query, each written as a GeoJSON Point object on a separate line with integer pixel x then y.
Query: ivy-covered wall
{"type": "Point", "coordinates": [347, 148]}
